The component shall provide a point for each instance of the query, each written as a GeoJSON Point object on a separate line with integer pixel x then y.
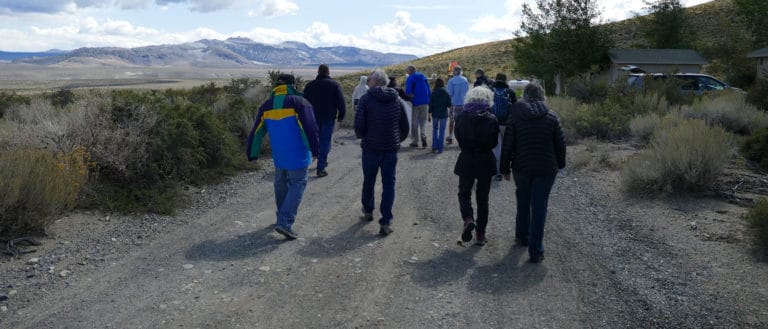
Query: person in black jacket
{"type": "Point", "coordinates": [381, 122]}
{"type": "Point", "coordinates": [477, 133]}
{"type": "Point", "coordinates": [327, 100]}
{"type": "Point", "coordinates": [439, 103]}
{"type": "Point", "coordinates": [534, 149]}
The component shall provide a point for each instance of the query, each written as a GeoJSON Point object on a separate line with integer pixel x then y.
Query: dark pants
{"type": "Point", "coordinates": [481, 197]}
{"type": "Point", "coordinates": [532, 201]}
{"type": "Point", "coordinates": [326, 135]}
{"type": "Point", "coordinates": [372, 162]}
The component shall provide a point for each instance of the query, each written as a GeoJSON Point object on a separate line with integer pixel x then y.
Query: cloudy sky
{"type": "Point", "coordinates": [416, 27]}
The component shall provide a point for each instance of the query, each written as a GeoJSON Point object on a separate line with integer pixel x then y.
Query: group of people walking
{"type": "Point", "coordinates": [497, 136]}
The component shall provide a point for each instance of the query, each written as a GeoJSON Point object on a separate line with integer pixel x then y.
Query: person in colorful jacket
{"type": "Point", "coordinates": [289, 121]}
{"type": "Point", "coordinates": [417, 87]}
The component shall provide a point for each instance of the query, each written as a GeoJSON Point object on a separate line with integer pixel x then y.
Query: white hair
{"type": "Point", "coordinates": [480, 94]}
{"type": "Point", "coordinates": [379, 77]}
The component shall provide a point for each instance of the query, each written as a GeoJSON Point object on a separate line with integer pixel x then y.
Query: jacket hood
{"type": "Point", "coordinates": [363, 81]}
{"type": "Point", "coordinates": [384, 94]}
{"type": "Point", "coordinates": [536, 109]}
{"type": "Point", "coordinates": [476, 107]}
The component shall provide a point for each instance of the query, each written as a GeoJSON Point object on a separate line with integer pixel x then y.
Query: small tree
{"type": "Point", "coordinates": [561, 38]}
{"type": "Point", "coordinates": [666, 27]}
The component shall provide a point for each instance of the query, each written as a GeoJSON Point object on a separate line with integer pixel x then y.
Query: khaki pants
{"type": "Point", "coordinates": [419, 123]}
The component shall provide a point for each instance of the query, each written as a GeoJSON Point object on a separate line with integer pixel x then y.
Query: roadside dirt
{"type": "Point", "coordinates": [613, 261]}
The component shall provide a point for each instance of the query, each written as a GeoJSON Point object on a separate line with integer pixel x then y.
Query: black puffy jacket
{"type": "Point", "coordinates": [477, 132]}
{"type": "Point", "coordinates": [533, 143]}
{"type": "Point", "coordinates": [326, 98]}
{"type": "Point", "coordinates": [380, 120]}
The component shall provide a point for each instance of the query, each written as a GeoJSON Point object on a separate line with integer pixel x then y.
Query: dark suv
{"type": "Point", "coordinates": [689, 82]}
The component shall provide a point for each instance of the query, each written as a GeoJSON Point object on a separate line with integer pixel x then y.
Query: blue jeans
{"type": "Point", "coordinates": [372, 162]}
{"type": "Point", "coordinates": [289, 189]}
{"type": "Point", "coordinates": [326, 135]}
{"type": "Point", "coordinates": [532, 201]}
{"type": "Point", "coordinates": [438, 133]}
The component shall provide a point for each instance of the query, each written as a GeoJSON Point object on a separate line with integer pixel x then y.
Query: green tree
{"type": "Point", "coordinates": [755, 12]}
{"type": "Point", "coordinates": [560, 39]}
{"type": "Point", "coordinates": [666, 26]}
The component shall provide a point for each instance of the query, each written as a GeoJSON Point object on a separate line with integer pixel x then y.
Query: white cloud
{"type": "Point", "coordinates": [405, 33]}
{"type": "Point", "coordinates": [273, 8]}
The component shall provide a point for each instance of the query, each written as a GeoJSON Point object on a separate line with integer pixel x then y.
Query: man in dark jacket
{"type": "Point", "coordinates": [288, 120]}
{"type": "Point", "coordinates": [477, 133]}
{"type": "Point", "coordinates": [481, 79]}
{"type": "Point", "coordinates": [534, 148]}
{"type": "Point", "coordinates": [327, 100]}
{"type": "Point", "coordinates": [381, 122]}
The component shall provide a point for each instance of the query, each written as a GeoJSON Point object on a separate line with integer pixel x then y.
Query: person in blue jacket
{"type": "Point", "coordinates": [293, 136]}
{"type": "Point", "coordinates": [417, 87]}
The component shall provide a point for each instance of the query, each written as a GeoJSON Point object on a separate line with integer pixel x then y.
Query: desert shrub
{"type": "Point", "coordinates": [642, 127]}
{"type": "Point", "coordinates": [605, 120]}
{"type": "Point", "coordinates": [758, 94]}
{"type": "Point", "coordinates": [62, 98]}
{"type": "Point", "coordinates": [36, 186]}
{"type": "Point", "coordinates": [588, 90]}
{"type": "Point", "coordinates": [8, 100]}
{"type": "Point", "coordinates": [684, 157]}
{"type": "Point", "coordinates": [755, 147]}
{"type": "Point", "coordinates": [758, 225]}
{"type": "Point", "coordinates": [729, 110]}
{"type": "Point", "coordinates": [566, 107]}
{"type": "Point", "coordinates": [669, 89]}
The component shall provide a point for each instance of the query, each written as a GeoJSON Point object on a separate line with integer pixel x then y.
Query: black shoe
{"type": "Point", "coordinates": [537, 258]}
{"type": "Point", "coordinates": [288, 233]}
{"type": "Point", "coordinates": [498, 177]}
{"type": "Point", "coordinates": [469, 226]}
{"type": "Point", "coordinates": [480, 239]}
{"type": "Point", "coordinates": [385, 230]}
{"type": "Point", "coordinates": [449, 141]}
{"type": "Point", "coordinates": [423, 142]}
{"type": "Point", "coordinates": [521, 242]}
{"type": "Point", "coordinates": [321, 173]}
{"type": "Point", "coordinates": [413, 145]}
{"type": "Point", "coordinates": [367, 216]}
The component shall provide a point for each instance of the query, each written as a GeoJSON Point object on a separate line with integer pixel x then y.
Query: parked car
{"type": "Point", "coordinates": [689, 82]}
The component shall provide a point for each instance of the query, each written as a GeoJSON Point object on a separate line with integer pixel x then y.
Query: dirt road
{"type": "Point", "coordinates": [612, 261]}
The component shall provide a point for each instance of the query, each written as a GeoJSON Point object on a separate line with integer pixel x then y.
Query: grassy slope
{"type": "Point", "coordinates": [498, 56]}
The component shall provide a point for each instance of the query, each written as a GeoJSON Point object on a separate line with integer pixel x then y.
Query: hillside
{"type": "Point", "coordinates": [708, 19]}
{"type": "Point", "coordinates": [233, 52]}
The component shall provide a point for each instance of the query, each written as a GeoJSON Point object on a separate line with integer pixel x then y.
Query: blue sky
{"type": "Point", "coordinates": [420, 27]}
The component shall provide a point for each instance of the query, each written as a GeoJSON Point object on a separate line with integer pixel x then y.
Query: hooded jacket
{"type": "Point", "coordinates": [477, 132]}
{"type": "Point", "coordinates": [418, 86]}
{"type": "Point", "coordinates": [326, 98]}
{"type": "Point", "coordinates": [439, 102]}
{"type": "Point", "coordinates": [293, 135]}
{"type": "Point", "coordinates": [360, 90]}
{"type": "Point", "coordinates": [380, 120]}
{"type": "Point", "coordinates": [533, 143]}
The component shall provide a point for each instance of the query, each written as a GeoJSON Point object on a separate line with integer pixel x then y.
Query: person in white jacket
{"type": "Point", "coordinates": [360, 90]}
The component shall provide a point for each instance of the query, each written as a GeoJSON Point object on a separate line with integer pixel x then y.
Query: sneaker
{"type": "Point", "coordinates": [288, 233]}
{"type": "Point", "coordinates": [413, 145]}
{"type": "Point", "coordinates": [368, 216]}
{"type": "Point", "coordinates": [536, 258]}
{"type": "Point", "coordinates": [385, 230]}
{"type": "Point", "coordinates": [521, 242]}
{"type": "Point", "coordinates": [321, 173]}
{"type": "Point", "coordinates": [449, 140]}
{"type": "Point", "coordinates": [480, 239]}
{"type": "Point", "coordinates": [498, 177]}
{"type": "Point", "coordinates": [434, 150]}
{"type": "Point", "coordinates": [469, 225]}
{"type": "Point", "coordinates": [424, 142]}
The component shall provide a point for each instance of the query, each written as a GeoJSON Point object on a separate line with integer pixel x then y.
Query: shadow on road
{"type": "Point", "coordinates": [343, 242]}
{"type": "Point", "coordinates": [243, 246]}
{"type": "Point", "coordinates": [451, 266]}
{"type": "Point", "coordinates": [507, 276]}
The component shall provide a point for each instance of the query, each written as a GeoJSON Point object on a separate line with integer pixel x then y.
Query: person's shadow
{"type": "Point", "coordinates": [507, 276]}
{"type": "Point", "coordinates": [343, 242]}
{"type": "Point", "coordinates": [450, 266]}
{"type": "Point", "coordinates": [243, 246]}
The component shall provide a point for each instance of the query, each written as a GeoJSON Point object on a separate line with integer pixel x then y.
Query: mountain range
{"type": "Point", "coordinates": [232, 52]}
